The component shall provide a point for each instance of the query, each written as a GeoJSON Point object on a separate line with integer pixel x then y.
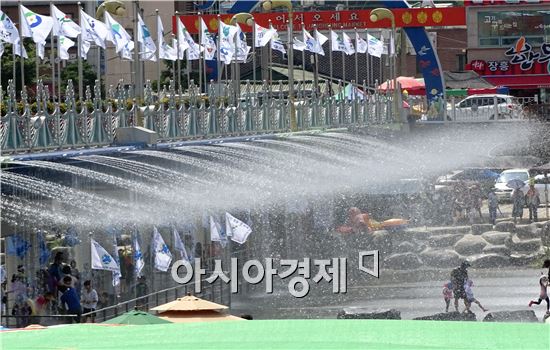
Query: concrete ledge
{"type": "Point", "coordinates": [135, 135]}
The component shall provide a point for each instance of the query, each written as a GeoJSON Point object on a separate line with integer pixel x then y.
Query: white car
{"type": "Point", "coordinates": [504, 192]}
{"type": "Point", "coordinates": [483, 108]}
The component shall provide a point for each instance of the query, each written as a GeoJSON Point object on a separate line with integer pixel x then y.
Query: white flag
{"type": "Point", "coordinates": [116, 274]}
{"type": "Point", "coordinates": [8, 30]}
{"type": "Point", "coordinates": [166, 52]}
{"type": "Point", "coordinates": [348, 44]}
{"type": "Point", "coordinates": [263, 35]}
{"type": "Point", "coordinates": [147, 48]}
{"type": "Point", "coordinates": [84, 49]}
{"type": "Point", "coordinates": [242, 47]}
{"type": "Point", "coordinates": [193, 49]}
{"type": "Point", "coordinates": [182, 43]}
{"type": "Point", "coordinates": [139, 263]}
{"type": "Point", "coordinates": [207, 42]}
{"type": "Point", "coordinates": [309, 41]}
{"type": "Point", "coordinates": [101, 260]}
{"type": "Point", "coordinates": [35, 26]}
{"type": "Point", "coordinates": [118, 35]}
{"type": "Point", "coordinates": [337, 43]}
{"type": "Point", "coordinates": [298, 45]}
{"type": "Point", "coordinates": [179, 246]}
{"type": "Point", "coordinates": [64, 45]}
{"type": "Point", "coordinates": [239, 230]}
{"type": "Point", "coordinates": [163, 257]}
{"type": "Point", "coordinates": [93, 30]}
{"type": "Point", "coordinates": [375, 46]}
{"type": "Point", "coordinates": [278, 45]}
{"type": "Point", "coordinates": [226, 43]}
{"type": "Point", "coordinates": [362, 45]}
{"type": "Point", "coordinates": [63, 25]}
{"type": "Point", "coordinates": [321, 39]}
{"type": "Point", "coordinates": [215, 231]}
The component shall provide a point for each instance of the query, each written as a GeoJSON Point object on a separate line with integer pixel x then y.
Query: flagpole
{"type": "Point", "coordinates": [270, 59]}
{"type": "Point", "coordinates": [14, 63]}
{"type": "Point", "coordinates": [79, 53]}
{"type": "Point", "coordinates": [204, 64]}
{"type": "Point", "coordinates": [303, 62]}
{"type": "Point", "coordinates": [22, 49]}
{"type": "Point", "coordinates": [174, 62]}
{"type": "Point", "coordinates": [343, 60]}
{"type": "Point", "coordinates": [316, 61]}
{"type": "Point", "coordinates": [218, 56]}
{"type": "Point", "coordinates": [254, 53]}
{"type": "Point", "coordinates": [200, 65]}
{"type": "Point", "coordinates": [367, 58]}
{"type": "Point", "coordinates": [52, 55]}
{"type": "Point", "coordinates": [179, 60]}
{"type": "Point", "coordinates": [59, 71]}
{"type": "Point", "coordinates": [330, 52]}
{"type": "Point", "coordinates": [356, 58]}
{"type": "Point", "coordinates": [159, 43]}
{"type": "Point", "coordinates": [234, 72]}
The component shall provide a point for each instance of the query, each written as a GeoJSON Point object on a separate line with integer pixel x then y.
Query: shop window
{"type": "Point", "coordinates": [503, 28]}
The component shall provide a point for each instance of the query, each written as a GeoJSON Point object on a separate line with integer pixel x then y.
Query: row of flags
{"type": "Point", "coordinates": [237, 230]}
{"type": "Point", "coordinates": [231, 42]}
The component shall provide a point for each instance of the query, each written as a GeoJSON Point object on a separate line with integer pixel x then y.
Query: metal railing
{"type": "Point", "coordinates": [45, 124]}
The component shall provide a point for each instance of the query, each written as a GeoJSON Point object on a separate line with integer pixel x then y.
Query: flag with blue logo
{"type": "Point", "coordinates": [179, 246]}
{"type": "Point", "coordinates": [44, 253]}
{"type": "Point", "coordinates": [166, 52]}
{"type": "Point", "coordinates": [163, 257]}
{"type": "Point", "coordinates": [139, 263]}
{"type": "Point", "coordinates": [16, 245]}
{"type": "Point", "coordinates": [63, 25]}
{"type": "Point", "coordinates": [93, 30]}
{"type": "Point", "coordinates": [101, 260]}
{"type": "Point", "coordinates": [147, 45]}
{"type": "Point", "coordinates": [216, 232]}
{"type": "Point", "coordinates": [226, 43]}
{"type": "Point", "coordinates": [118, 35]}
{"type": "Point", "coordinates": [239, 230]}
{"type": "Point", "coordinates": [35, 26]}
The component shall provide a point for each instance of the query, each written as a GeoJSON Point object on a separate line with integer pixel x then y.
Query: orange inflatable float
{"type": "Point", "coordinates": [359, 222]}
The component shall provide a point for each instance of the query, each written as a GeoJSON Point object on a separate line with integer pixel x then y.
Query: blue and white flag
{"type": "Point", "coordinates": [375, 46]}
{"type": "Point", "coordinates": [16, 245]}
{"type": "Point", "coordinates": [101, 260]}
{"type": "Point", "coordinates": [216, 233]}
{"type": "Point", "coordinates": [236, 229]}
{"type": "Point", "coordinates": [116, 274]}
{"type": "Point", "coordinates": [337, 43]}
{"type": "Point", "coordinates": [147, 48]}
{"type": "Point", "coordinates": [63, 25]}
{"type": "Point", "coordinates": [226, 42]}
{"type": "Point", "coordinates": [139, 262]}
{"type": "Point", "coordinates": [118, 36]}
{"type": "Point", "coordinates": [348, 44]}
{"type": "Point", "coordinates": [207, 42]}
{"type": "Point", "coordinates": [36, 26]}
{"type": "Point", "coordinates": [93, 30]}
{"type": "Point", "coordinates": [163, 257]}
{"type": "Point", "coordinates": [179, 246]}
{"type": "Point", "coordinates": [166, 52]}
{"type": "Point", "coordinates": [44, 253]}
{"type": "Point", "coordinates": [263, 35]}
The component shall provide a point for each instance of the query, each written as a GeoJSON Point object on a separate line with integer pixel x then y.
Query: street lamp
{"type": "Point", "coordinates": [268, 6]}
{"type": "Point", "coordinates": [376, 15]}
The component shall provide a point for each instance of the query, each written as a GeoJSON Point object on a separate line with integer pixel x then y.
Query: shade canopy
{"type": "Point", "coordinates": [411, 84]}
{"type": "Point", "coordinates": [137, 317]}
{"type": "Point", "coordinates": [189, 303]}
{"type": "Point", "coordinates": [197, 316]}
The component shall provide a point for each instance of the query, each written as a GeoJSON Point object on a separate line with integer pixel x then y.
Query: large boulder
{"type": "Point", "coordinates": [406, 247]}
{"type": "Point", "coordinates": [367, 314]}
{"type": "Point", "coordinates": [518, 259]}
{"type": "Point", "coordinates": [449, 316]}
{"type": "Point", "coordinates": [505, 226]}
{"type": "Point", "coordinates": [489, 260]}
{"type": "Point", "coordinates": [419, 235]}
{"type": "Point", "coordinates": [470, 245]}
{"type": "Point", "coordinates": [403, 261]}
{"type": "Point", "coordinates": [441, 241]}
{"type": "Point", "coordinates": [496, 237]}
{"type": "Point", "coordinates": [545, 233]}
{"type": "Point", "coordinates": [511, 316]}
{"type": "Point", "coordinates": [440, 258]}
{"type": "Point", "coordinates": [497, 249]}
{"type": "Point", "coordinates": [523, 246]}
{"type": "Point", "coordinates": [478, 229]}
{"type": "Point", "coordinates": [527, 231]}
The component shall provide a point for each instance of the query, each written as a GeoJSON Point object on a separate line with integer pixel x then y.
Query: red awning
{"type": "Point", "coordinates": [527, 81]}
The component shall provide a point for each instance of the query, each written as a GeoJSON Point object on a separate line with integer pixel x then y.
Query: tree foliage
{"type": "Point", "coordinates": [29, 66]}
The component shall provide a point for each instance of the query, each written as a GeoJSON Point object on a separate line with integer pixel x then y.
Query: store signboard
{"type": "Point", "coordinates": [503, 2]}
{"type": "Point", "coordinates": [523, 59]}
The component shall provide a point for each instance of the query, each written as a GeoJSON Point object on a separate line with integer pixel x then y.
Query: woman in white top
{"type": "Point", "coordinates": [88, 300]}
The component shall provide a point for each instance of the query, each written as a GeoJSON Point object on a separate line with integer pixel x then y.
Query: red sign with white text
{"type": "Point", "coordinates": [417, 17]}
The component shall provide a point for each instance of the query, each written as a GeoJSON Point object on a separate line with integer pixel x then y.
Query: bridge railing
{"type": "Point", "coordinates": [43, 124]}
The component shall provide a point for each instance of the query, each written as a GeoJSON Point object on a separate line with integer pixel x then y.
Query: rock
{"type": "Point", "coordinates": [505, 226]}
{"type": "Point", "coordinates": [440, 258]}
{"type": "Point", "coordinates": [523, 246]}
{"type": "Point", "coordinates": [441, 241]}
{"type": "Point", "coordinates": [497, 249]}
{"type": "Point", "coordinates": [518, 259]}
{"type": "Point", "coordinates": [403, 261]}
{"type": "Point", "coordinates": [382, 241]}
{"type": "Point", "coordinates": [470, 244]}
{"type": "Point", "coordinates": [527, 232]}
{"type": "Point", "coordinates": [545, 234]}
{"type": "Point", "coordinates": [511, 316]}
{"type": "Point", "coordinates": [405, 247]}
{"type": "Point", "coordinates": [449, 316]}
{"type": "Point", "coordinates": [496, 237]}
{"type": "Point", "coordinates": [489, 260]}
{"type": "Point", "coordinates": [361, 313]}
{"type": "Point", "coordinates": [478, 229]}
{"type": "Point", "coordinates": [420, 235]}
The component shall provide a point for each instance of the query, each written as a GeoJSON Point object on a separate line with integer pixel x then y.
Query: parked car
{"type": "Point", "coordinates": [482, 108]}
{"type": "Point", "coordinates": [484, 176]}
{"type": "Point", "coordinates": [504, 192]}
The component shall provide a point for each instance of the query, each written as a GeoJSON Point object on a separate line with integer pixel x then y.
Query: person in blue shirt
{"type": "Point", "coordinates": [71, 299]}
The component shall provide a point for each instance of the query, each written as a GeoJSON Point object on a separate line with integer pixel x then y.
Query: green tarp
{"type": "Point", "coordinates": [136, 317]}
{"type": "Point", "coordinates": [289, 334]}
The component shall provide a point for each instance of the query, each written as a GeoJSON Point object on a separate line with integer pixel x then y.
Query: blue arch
{"type": "Point", "coordinates": [426, 56]}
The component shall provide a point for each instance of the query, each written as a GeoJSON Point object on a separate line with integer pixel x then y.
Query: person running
{"type": "Point", "coordinates": [543, 295]}
{"type": "Point", "coordinates": [470, 296]}
{"type": "Point", "coordinates": [459, 276]}
{"type": "Point", "coordinates": [447, 295]}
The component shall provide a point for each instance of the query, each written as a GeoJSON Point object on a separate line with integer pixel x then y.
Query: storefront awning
{"type": "Point", "coordinates": [520, 81]}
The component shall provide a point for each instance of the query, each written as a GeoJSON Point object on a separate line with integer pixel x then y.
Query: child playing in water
{"type": "Point", "coordinates": [543, 282]}
{"type": "Point", "coordinates": [447, 295]}
{"type": "Point", "coordinates": [470, 296]}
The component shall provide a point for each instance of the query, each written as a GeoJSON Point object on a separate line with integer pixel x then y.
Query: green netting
{"type": "Point", "coordinates": [289, 334]}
